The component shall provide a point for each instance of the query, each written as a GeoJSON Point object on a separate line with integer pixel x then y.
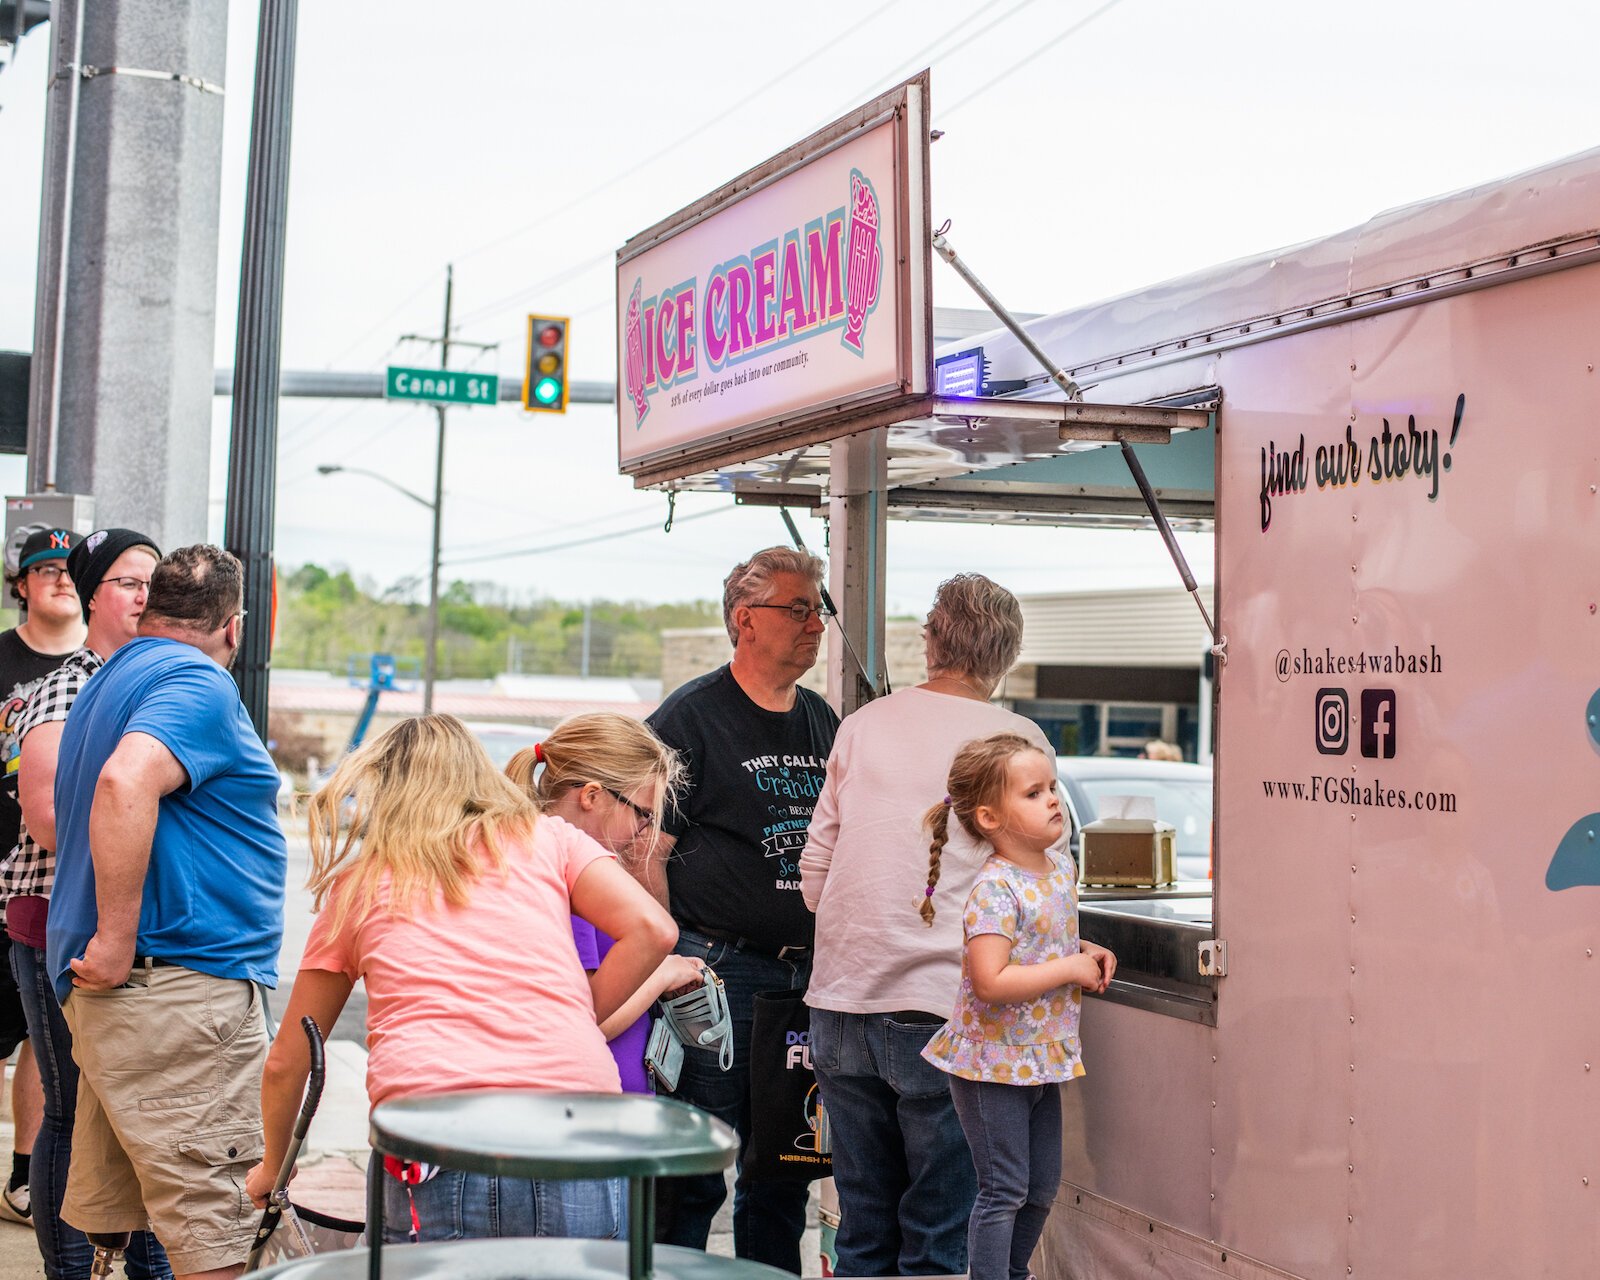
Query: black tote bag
{"type": "Point", "coordinates": [789, 1137]}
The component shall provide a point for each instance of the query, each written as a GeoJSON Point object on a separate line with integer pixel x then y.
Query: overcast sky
{"type": "Point", "coordinates": [1089, 149]}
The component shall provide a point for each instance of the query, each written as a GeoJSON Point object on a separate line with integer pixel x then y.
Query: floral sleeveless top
{"type": "Point", "coordinates": [1031, 1043]}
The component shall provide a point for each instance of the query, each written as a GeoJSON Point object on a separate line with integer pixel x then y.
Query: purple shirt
{"type": "Point", "coordinates": [628, 1047]}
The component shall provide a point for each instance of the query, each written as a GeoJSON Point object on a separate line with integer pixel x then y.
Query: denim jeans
{"type": "Point", "coordinates": [65, 1253]}
{"type": "Point", "coordinates": [768, 1216]}
{"type": "Point", "coordinates": [901, 1164]}
{"type": "Point", "coordinates": [453, 1205]}
{"type": "Point", "coordinates": [1014, 1131]}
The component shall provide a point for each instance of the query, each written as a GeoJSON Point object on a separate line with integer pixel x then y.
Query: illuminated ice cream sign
{"type": "Point", "coordinates": [771, 302]}
{"type": "Point", "coordinates": [793, 287]}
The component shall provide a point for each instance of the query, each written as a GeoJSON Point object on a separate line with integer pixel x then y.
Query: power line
{"type": "Point", "coordinates": [918, 59]}
{"type": "Point", "coordinates": [1022, 62]}
{"type": "Point", "coordinates": [910, 64]}
{"type": "Point", "coordinates": [584, 542]}
{"type": "Point", "coordinates": [723, 112]}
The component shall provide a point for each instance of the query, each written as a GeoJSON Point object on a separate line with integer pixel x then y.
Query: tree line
{"type": "Point", "coordinates": [326, 618]}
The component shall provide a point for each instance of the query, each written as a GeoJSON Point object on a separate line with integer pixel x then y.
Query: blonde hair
{"type": "Point", "coordinates": [975, 626]}
{"type": "Point", "coordinates": [977, 779]}
{"type": "Point", "coordinates": [423, 804]}
{"type": "Point", "coordinates": [748, 582]}
{"type": "Point", "coordinates": [616, 751]}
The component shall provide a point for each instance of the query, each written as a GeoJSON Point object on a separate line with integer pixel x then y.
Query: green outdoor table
{"type": "Point", "coordinates": [519, 1133]}
{"type": "Point", "coordinates": [544, 1259]}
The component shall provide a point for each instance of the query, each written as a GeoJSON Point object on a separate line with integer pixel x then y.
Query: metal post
{"type": "Point", "coordinates": [858, 524]}
{"type": "Point", "coordinates": [431, 670]}
{"type": "Point", "coordinates": [63, 239]}
{"type": "Point", "coordinates": [1070, 389]}
{"type": "Point", "coordinates": [253, 451]}
{"type": "Point", "coordinates": [124, 319]}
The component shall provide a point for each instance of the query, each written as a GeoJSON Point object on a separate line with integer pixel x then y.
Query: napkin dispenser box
{"type": "Point", "coordinates": [1129, 853]}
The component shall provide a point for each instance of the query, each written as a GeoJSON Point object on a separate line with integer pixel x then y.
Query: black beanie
{"type": "Point", "coordinates": [94, 555]}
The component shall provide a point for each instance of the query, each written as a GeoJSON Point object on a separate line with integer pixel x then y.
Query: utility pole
{"type": "Point", "coordinates": [430, 670]}
{"type": "Point", "coordinates": [124, 319]}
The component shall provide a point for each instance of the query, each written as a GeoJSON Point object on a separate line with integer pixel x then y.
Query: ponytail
{"type": "Point", "coordinates": [937, 823]}
{"type": "Point", "coordinates": [977, 779]}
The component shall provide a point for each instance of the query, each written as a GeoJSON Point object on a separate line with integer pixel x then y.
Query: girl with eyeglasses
{"type": "Point", "coordinates": [610, 777]}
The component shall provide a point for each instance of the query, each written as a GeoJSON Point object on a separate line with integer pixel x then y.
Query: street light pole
{"type": "Point", "coordinates": [328, 470]}
{"type": "Point", "coordinates": [431, 671]}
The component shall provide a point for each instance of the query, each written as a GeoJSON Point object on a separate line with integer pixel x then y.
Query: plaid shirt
{"type": "Point", "coordinates": [30, 868]}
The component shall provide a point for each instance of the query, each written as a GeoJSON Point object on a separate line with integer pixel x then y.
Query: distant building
{"type": "Point", "coordinates": [326, 706]}
{"type": "Point", "coordinates": [1102, 672]}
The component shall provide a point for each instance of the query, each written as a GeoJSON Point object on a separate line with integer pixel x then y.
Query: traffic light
{"type": "Point", "coordinates": [544, 384]}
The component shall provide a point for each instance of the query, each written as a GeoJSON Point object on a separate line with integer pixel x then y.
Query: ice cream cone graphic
{"type": "Point", "coordinates": [633, 359]}
{"type": "Point", "coordinates": [865, 261]}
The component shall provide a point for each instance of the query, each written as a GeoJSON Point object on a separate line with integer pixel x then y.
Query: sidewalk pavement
{"type": "Point", "coordinates": [333, 1162]}
{"type": "Point", "coordinates": [332, 1168]}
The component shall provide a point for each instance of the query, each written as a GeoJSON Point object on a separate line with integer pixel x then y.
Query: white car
{"type": "Point", "coordinates": [502, 741]}
{"type": "Point", "coordinates": [1182, 793]}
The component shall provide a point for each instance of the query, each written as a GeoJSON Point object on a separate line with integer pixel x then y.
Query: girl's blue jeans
{"type": "Point", "coordinates": [1014, 1131]}
{"type": "Point", "coordinates": [453, 1205]}
{"type": "Point", "coordinates": [66, 1255]}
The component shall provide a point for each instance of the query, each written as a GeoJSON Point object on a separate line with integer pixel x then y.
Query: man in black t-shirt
{"type": "Point", "coordinates": [51, 633]}
{"type": "Point", "coordinates": [756, 747]}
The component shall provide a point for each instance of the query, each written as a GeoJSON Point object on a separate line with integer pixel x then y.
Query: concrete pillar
{"type": "Point", "coordinates": [138, 331]}
{"type": "Point", "coordinates": [857, 562]}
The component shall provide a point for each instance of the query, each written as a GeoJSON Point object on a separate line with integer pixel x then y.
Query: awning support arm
{"type": "Point", "coordinates": [1058, 375]}
{"type": "Point", "coordinates": [827, 603]}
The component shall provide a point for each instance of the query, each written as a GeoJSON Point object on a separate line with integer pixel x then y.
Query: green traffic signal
{"type": "Point", "coordinates": [544, 385]}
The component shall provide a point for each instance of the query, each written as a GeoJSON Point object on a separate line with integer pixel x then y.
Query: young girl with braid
{"type": "Point", "coordinates": [1014, 1036]}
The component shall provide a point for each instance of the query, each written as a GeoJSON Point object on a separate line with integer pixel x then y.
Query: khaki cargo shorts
{"type": "Point", "coordinates": [169, 1112]}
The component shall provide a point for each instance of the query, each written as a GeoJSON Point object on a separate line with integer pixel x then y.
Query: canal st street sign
{"type": "Point", "coordinates": [441, 386]}
{"type": "Point", "coordinates": [784, 303]}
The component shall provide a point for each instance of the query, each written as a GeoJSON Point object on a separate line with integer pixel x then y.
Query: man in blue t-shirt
{"type": "Point", "coordinates": [167, 907]}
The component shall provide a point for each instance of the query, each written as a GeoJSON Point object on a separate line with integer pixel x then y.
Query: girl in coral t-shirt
{"type": "Point", "coordinates": [440, 886]}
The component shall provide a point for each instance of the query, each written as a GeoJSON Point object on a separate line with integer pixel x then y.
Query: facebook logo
{"type": "Point", "coordinates": [1377, 724]}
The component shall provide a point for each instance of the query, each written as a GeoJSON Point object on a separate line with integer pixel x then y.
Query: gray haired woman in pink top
{"type": "Point", "coordinates": [883, 982]}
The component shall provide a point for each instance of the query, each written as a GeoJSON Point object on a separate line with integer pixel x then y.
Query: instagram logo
{"type": "Point", "coordinates": [1333, 721]}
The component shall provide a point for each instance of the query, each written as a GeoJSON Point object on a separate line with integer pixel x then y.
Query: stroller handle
{"type": "Point", "coordinates": [314, 1081]}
